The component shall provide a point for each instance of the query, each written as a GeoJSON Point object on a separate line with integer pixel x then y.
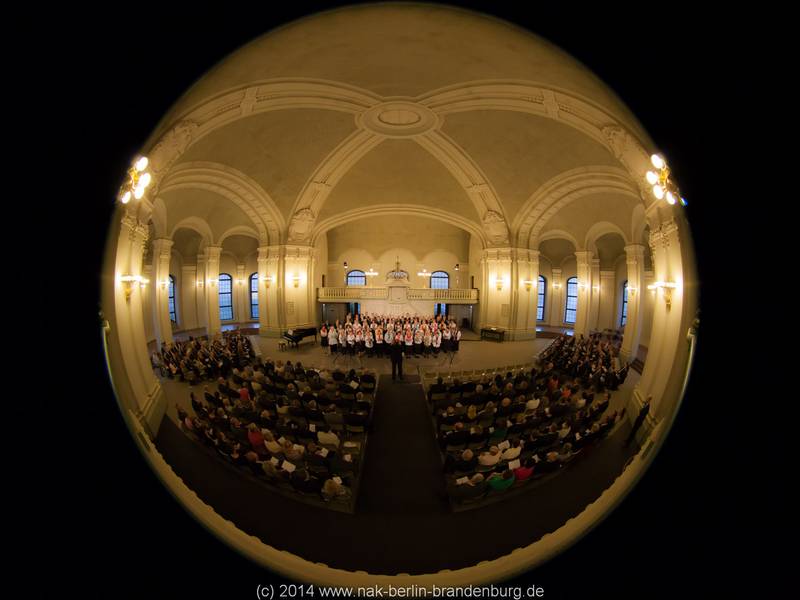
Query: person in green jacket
{"type": "Point", "coordinates": [500, 483]}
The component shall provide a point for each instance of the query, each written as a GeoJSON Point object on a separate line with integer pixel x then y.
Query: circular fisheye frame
{"type": "Point", "coordinates": [399, 269]}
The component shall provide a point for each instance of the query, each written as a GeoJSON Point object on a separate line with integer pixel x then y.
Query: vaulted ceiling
{"type": "Point", "coordinates": [426, 109]}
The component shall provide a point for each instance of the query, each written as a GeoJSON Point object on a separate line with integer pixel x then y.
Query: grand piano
{"type": "Point", "coordinates": [295, 336]}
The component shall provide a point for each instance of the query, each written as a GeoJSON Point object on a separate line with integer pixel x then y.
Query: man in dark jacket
{"type": "Point", "coordinates": [396, 354]}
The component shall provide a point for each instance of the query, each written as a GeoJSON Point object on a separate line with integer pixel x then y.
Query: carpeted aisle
{"type": "Point", "coordinates": [402, 521]}
{"type": "Point", "coordinates": [402, 473]}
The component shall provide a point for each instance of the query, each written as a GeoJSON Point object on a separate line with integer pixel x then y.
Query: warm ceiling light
{"type": "Point", "coordinates": [138, 180]}
{"type": "Point", "coordinates": [663, 186]}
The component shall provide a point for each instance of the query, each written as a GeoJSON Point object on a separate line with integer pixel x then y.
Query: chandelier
{"type": "Point", "coordinates": [663, 186]}
{"type": "Point", "coordinates": [138, 180]}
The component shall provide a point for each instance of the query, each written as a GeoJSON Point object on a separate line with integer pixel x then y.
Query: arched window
{"type": "Point", "coordinates": [542, 289]}
{"type": "Point", "coordinates": [173, 315]}
{"type": "Point", "coordinates": [572, 300]}
{"type": "Point", "coordinates": [254, 296]}
{"type": "Point", "coordinates": [440, 280]}
{"type": "Point", "coordinates": [624, 317]}
{"type": "Point", "coordinates": [356, 278]}
{"type": "Point", "coordinates": [225, 297]}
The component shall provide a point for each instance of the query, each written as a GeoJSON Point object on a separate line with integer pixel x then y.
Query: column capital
{"type": "Point", "coordinates": [635, 250]}
{"type": "Point", "coordinates": [583, 257]}
{"type": "Point", "coordinates": [213, 252]}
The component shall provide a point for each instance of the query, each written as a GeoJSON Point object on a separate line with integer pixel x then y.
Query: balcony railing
{"type": "Point", "coordinates": [328, 294]}
{"type": "Point", "coordinates": [342, 294]}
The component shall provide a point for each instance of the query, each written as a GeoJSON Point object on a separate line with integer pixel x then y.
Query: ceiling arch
{"type": "Point", "coordinates": [236, 187]}
{"type": "Point", "coordinates": [600, 229]}
{"type": "Point", "coordinates": [399, 209]}
{"type": "Point", "coordinates": [198, 225]}
{"type": "Point", "coordinates": [562, 190]}
{"type": "Point", "coordinates": [238, 230]}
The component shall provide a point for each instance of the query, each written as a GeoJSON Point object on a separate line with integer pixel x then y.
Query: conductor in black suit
{"type": "Point", "coordinates": [396, 354]}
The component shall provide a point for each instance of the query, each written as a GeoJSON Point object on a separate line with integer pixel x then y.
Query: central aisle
{"type": "Point", "coordinates": [402, 473]}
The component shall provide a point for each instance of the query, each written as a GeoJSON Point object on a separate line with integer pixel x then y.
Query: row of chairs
{"type": "Point", "coordinates": [430, 377]}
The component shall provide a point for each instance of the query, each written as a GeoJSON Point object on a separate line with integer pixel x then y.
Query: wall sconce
{"type": "Point", "coordinates": [212, 282]}
{"type": "Point", "coordinates": [499, 283]}
{"type": "Point", "coordinates": [423, 273]}
{"type": "Point", "coordinates": [345, 265]}
{"type": "Point", "coordinates": [199, 283]}
{"type": "Point", "coordinates": [666, 287]}
{"type": "Point", "coordinates": [127, 284]}
{"type": "Point", "coordinates": [239, 281]}
{"type": "Point", "coordinates": [163, 283]}
{"type": "Point", "coordinates": [267, 280]}
{"type": "Point", "coordinates": [596, 288]}
{"type": "Point", "coordinates": [556, 286]}
{"type": "Point", "coordinates": [456, 267]}
{"type": "Point", "coordinates": [296, 281]}
{"type": "Point", "coordinates": [632, 290]}
{"type": "Point", "coordinates": [528, 285]}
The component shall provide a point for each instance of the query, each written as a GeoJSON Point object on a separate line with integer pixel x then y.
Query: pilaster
{"type": "Point", "coordinates": [633, 323]}
{"type": "Point", "coordinates": [584, 272]}
{"type": "Point", "coordinates": [162, 251]}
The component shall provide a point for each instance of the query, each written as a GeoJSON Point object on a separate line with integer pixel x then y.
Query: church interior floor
{"type": "Point", "coordinates": [403, 522]}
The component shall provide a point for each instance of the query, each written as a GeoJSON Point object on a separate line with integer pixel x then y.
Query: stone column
{"type": "Point", "coordinates": [162, 251]}
{"type": "Point", "coordinates": [241, 302]}
{"type": "Point", "coordinates": [606, 318]}
{"type": "Point", "coordinates": [265, 280]}
{"type": "Point", "coordinates": [201, 293]}
{"type": "Point", "coordinates": [187, 298]}
{"type": "Point", "coordinates": [134, 378]}
{"type": "Point", "coordinates": [496, 303]}
{"type": "Point", "coordinates": [556, 300]}
{"type": "Point", "coordinates": [298, 286]}
{"type": "Point", "coordinates": [673, 313]}
{"type": "Point", "coordinates": [583, 259]}
{"type": "Point", "coordinates": [594, 296]}
{"type": "Point", "coordinates": [213, 326]}
{"type": "Point", "coordinates": [525, 267]}
{"type": "Point", "coordinates": [636, 288]}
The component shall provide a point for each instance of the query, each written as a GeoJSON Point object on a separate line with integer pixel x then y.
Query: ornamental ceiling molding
{"type": "Point", "coordinates": [562, 190]}
{"type": "Point", "coordinates": [418, 210]}
{"type": "Point", "coordinates": [236, 187]}
{"type": "Point", "coordinates": [417, 118]}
